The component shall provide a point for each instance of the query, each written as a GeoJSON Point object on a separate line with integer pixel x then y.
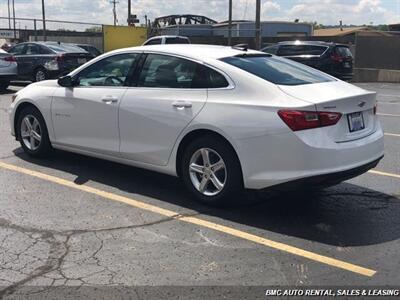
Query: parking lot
{"type": "Point", "coordinates": [73, 220]}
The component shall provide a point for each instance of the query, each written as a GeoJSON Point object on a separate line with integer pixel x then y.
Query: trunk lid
{"type": "Point", "coordinates": [355, 104]}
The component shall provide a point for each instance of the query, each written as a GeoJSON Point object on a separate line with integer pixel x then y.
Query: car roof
{"type": "Point", "coordinates": [194, 51]}
{"type": "Point", "coordinates": [168, 36]}
{"type": "Point", "coordinates": [314, 43]}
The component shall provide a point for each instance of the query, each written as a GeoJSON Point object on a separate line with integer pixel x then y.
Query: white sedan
{"type": "Point", "coordinates": [221, 118]}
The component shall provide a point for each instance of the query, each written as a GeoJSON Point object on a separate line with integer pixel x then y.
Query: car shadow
{"type": "Point", "coordinates": [345, 215]}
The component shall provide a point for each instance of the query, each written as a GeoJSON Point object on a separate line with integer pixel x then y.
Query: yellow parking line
{"type": "Point", "coordinates": [388, 115]}
{"type": "Point", "coordinates": [392, 134]}
{"type": "Point", "coordinates": [197, 221]}
{"type": "Point", "coordinates": [384, 174]}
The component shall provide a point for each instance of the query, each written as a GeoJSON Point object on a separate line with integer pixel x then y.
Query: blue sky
{"type": "Point", "coordinates": [322, 11]}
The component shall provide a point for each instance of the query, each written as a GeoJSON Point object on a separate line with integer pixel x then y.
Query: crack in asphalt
{"type": "Point", "coordinates": [59, 250]}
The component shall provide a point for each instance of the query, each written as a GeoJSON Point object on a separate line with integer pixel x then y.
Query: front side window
{"type": "Point", "coordinates": [277, 70]}
{"type": "Point", "coordinates": [110, 71]}
{"type": "Point", "coordinates": [162, 71]}
{"type": "Point", "coordinates": [18, 49]}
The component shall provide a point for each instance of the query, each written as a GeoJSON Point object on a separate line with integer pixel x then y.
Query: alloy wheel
{"type": "Point", "coordinates": [40, 75]}
{"type": "Point", "coordinates": [207, 171]}
{"type": "Point", "coordinates": [31, 132]}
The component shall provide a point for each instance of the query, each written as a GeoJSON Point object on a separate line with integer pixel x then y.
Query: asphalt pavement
{"type": "Point", "coordinates": [75, 221]}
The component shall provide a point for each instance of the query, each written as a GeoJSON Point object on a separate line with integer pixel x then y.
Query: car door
{"type": "Point", "coordinates": [166, 96]}
{"type": "Point", "coordinates": [86, 116]}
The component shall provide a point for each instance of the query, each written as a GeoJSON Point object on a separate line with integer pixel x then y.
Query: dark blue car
{"type": "Point", "coordinates": [45, 60]}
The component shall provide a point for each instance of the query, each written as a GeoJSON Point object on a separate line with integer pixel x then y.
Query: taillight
{"type": "Point", "coordinates": [60, 57]}
{"type": "Point", "coordinates": [10, 58]}
{"type": "Point", "coordinates": [337, 58]}
{"type": "Point", "coordinates": [301, 120]}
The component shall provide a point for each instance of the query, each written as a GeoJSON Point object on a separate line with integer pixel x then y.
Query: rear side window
{"type": "Point", "coordinates": [163, 71]}
{"type": "Point", "coordinates": [176, 40]}
{"type": "Point", "coordinates": [271, 49]}
{"type": "Point", "coordinates": [293, 50]}
{"type": "Point", "coordinates": [277, 70]}
{"type": "Point", "coordinates": [343, 51]}
{"type": "Point", "coordinates": [45, 50]}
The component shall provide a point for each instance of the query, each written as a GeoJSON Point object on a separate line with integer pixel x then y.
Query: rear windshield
{"type": "Point", "coordinates": [293, 50]}
{"type": "Point", "coordinates": [343, 51]}
{"type": "Point", "coordinates": [65, 48]}
{"type": "Point", "coordinates": [277, 70]}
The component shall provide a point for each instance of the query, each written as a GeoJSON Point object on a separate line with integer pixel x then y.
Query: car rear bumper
{"type": "Point", "coordinates": [276, 159]}
{"type": "Point", "coordinates": [326, 180]}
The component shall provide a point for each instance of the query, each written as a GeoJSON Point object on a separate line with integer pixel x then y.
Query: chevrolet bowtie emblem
{"type": "Point", "coordinates": [362, 103]}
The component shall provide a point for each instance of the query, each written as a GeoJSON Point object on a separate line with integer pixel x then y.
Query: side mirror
{"type": "Point", "coordinates": [66, 81]}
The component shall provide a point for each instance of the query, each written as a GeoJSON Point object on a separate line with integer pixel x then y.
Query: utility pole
{"type": "Point", "coordinates": [15, 30]}
{"type": "Point", "coordinates": [114, 3]}
{"type": "Point", "coordinates": [258, 24]}
{"type": "Point", "coordinates": [129, 12]}
{"type": "Point", "coordinates": [230, 24]}
{"type": "Point", "coordinates": [9, 15]}
{"type": "Point", "coordinates": [44, 22]}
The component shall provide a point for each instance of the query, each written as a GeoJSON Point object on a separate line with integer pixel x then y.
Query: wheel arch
{"type": "Point", "coordinates": [21, 106]}
{"type": "Point", "coordinates": [195, 134]}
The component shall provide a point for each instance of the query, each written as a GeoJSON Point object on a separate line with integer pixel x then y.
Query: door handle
{"type": "Point", "coordinates": [109, 99]}
{"type": "Point", "coordinates": [181, 104]}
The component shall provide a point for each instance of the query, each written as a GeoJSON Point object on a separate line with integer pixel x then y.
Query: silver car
{"type": "Point", "coordinates": [8, 69]}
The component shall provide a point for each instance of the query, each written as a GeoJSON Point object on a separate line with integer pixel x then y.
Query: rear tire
{"type": "Point", "coordinates": [32, 132]}
{"type": "Point", "coordinates": [40, 74]}
{"type": "Point", "coordinates": [216, 180]}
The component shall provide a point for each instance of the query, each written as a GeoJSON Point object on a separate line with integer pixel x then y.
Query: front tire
{"type": "Point", "coordinates": [32, 132]}
{"type": "Point", "coordinates": [211, 171]}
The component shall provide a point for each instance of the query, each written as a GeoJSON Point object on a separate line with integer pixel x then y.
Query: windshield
{"type": "Point", "coordinates": [277, 70]}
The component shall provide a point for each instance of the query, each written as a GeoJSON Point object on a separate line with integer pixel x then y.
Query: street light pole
{"type": "Point", "coordinates": [44, 22]}
{"type": "Point", "coordinates": [258, 24]}
{"type": "Point", "coordinates": [230, 24]}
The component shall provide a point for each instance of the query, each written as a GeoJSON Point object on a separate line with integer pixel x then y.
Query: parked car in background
{"type": "Point", "coordinates": [334, 59]}
{"type": "Point", "coordinates": [38, 61]}
{"type": "Point", "coordinates": [8, 69]}
{"type": "Point", "coordinates": [89, 48]}
{"type": "Point", "coordinates": [167, 39]}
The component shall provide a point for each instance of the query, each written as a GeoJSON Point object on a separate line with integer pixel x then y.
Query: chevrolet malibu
{"type": "Point", "coordinates": [221, 118]}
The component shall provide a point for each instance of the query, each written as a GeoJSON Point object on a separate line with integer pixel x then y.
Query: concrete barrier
{"type": "Point", "coordinates": [376, 75]}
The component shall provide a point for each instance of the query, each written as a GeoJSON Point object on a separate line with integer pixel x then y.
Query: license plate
{"type": "Point", "coordinates": [346, 65]}
{"type": "Point", "coordinates": [356, 121]}
{"type": "Point", "coordinates": [81, 60]}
